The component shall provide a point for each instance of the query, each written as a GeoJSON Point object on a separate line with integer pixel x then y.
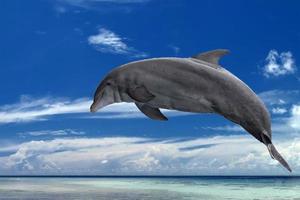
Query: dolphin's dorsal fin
{"type": "Point", "coordinates": [151, 112]}
{"type": "Point", "coordinates": [212, 56]}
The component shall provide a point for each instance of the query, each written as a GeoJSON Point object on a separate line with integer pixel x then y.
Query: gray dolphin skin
{"type": "Point", "coordinates": [197, 84]}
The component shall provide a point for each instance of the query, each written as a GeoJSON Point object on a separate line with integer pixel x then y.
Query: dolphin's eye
{"type": "Point", "coordinates": [108, 83]}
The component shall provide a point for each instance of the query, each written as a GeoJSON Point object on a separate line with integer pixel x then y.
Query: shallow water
{"type": "Point", "coordinates": [158, 188]}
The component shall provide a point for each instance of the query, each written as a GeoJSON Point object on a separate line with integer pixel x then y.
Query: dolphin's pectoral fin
{"type": "Point", "coordinates": [140, 94]}
{"type": "Point", "coordinates": [276, 155]}
{"type": "Point", "coordinates": [153, 113]}
{"type": "Point", "coordinates": [212, 56]}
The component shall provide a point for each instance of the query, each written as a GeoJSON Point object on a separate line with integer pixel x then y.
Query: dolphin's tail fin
{"type": "Point", "coordinates": [276, 155]}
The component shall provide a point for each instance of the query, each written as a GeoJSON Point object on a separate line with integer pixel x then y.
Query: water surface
{"type": "Point", "coordinates": [146, 188]}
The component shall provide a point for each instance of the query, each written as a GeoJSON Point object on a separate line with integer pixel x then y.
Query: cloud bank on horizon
{"type": "Point", "coordinates": [136, 156]}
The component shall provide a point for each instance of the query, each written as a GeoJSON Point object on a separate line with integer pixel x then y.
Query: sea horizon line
{"type": "Point", "coordinates": [150, 176]}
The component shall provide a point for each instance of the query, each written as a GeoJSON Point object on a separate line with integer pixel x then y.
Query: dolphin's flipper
{"type": "Point", "coordinates": [212, 56]}
{"type": "Point", "coordinates": [140, 94]}
{"type": "Point", "coordinates": [275, 155]}
{"type": "Point", "coordinates": [153, 113]}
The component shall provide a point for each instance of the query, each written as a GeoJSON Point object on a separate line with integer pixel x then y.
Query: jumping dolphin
{"type": "Point", "coordinates": [197, 84]}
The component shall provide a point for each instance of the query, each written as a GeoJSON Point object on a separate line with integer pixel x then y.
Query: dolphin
{"type": "Point", "coordinates": [196, 84]}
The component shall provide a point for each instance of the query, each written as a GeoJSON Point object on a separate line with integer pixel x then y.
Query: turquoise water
{"type": "Point", "coordinates": [159, 188]}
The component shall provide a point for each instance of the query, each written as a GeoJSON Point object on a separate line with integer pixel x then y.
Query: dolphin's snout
{"type": "Point", "coordinates": [97, 99]}
{"type": "Point", "coordinates": [103, 99]}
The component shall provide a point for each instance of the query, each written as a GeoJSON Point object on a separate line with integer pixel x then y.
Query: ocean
{"type": "Point", "coordinates": [154, 188]}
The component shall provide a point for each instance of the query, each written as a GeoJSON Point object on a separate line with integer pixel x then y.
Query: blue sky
{"type": "Point", "coordinates": [54, 53]}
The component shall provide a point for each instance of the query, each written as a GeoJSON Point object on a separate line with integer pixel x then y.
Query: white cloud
{"type": "Point", "coordinates": [280, 101]}
{"type": "Point", "coordinates": [100, 6]}
{"type": "Point", "coordinates": [9, 148]}
{"type": "Point", "coordinates": [279, 97]}
{"type": "Point", "coordinates": [88, 3]}
{"type": "Point", "coordinates": [121, 155]}
{"type": "Point", "coordinates": [279, 64]}
{"type": "Point", "coordinates": [107, 41]}
{"type": "Point", "coordinates": [284, 102]}
{"type": "Point", "coordinates": [279, 110]}
{"type": "Point", "coordinates": [294, 121]}
{"type": "Point", "coordinates": [30, 109]}
{"type": "Point", "coordinates": [288, 125]}
{"type": "Point", "coordinates": [63, 132]}
{"type": "Point", "coordinates": [231, 128]}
